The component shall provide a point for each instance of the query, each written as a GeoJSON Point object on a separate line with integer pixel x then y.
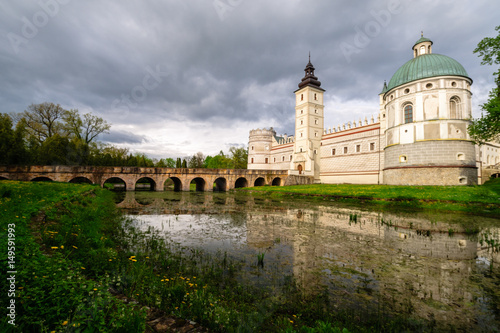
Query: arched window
{"type": "Point", "coordinates": [408, 110]}
{"type": "Point", "coordinates": [422, 49]}
{"type": "Point", "coordinates": [455, 112]}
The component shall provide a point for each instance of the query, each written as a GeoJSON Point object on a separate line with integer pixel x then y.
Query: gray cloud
{"type": "Point", "coordinates": [234, 72]}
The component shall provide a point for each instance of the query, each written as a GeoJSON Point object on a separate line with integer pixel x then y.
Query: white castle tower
{"type": "Point", "coordinates": [425, 111]}
{"type": "Point", "coordinates": [309, 124]}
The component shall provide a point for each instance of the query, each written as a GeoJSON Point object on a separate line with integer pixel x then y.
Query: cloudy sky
{"type": "Point", "coordinates": [177, 77]}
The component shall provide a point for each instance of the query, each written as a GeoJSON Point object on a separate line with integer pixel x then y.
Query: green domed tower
{"type": "Point", "coordinates": [425, 110]}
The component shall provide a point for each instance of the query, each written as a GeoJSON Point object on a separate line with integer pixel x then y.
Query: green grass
{"type": "Point", "coordinates": [483, 199]}
{"type": "Point", "coordinates": [58, 244]}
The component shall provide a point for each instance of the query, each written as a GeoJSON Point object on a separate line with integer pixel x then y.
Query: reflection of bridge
{"type": "Point", "coordinates": [129, 177]}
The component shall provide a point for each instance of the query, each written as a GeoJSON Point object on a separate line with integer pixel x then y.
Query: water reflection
{"type": "Point", "coordinates": [443, 268]}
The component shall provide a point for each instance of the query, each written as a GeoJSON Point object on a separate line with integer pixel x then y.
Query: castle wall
{"type": "Point", "coordinates": [360, 164]}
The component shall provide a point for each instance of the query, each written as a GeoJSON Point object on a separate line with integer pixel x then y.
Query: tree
{"type": "Point", "coordinates": [86, 129]}
{"type": "Point", "coordinates": [42, 121]}
{"type": "Point", "coordinates": [239, 157]}
{"type": "Point", "coordinates": [219, 161]}
{"type": "Point", "coordinates": [178, 163]}
{"type": "Point", "coordinates": [197, 160]}
{"type": "Point", "coordinates": [184, 164]}
{"type": "Point", "coordinates": [487, 128]}
{"type": "Point", "coordinates": [12, 147]}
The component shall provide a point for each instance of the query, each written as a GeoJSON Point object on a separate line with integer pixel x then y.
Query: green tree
{"type": "Point", "coordinates": [219, 161]}
{"type": "Point", "coordinates": [487, 128]}
{"type": "Point", "coordinates": [170, 163]}
{"type": "Point", "coordinates": [54, 151]}
{"type": "Point", "coordinates": [184, 164]}
{"type": "Point", "coordinates": [239, 157]}
{"type": "Point", "coordinates": [178, 163]}
{"type": "Point", "coordinates": [12, 147]}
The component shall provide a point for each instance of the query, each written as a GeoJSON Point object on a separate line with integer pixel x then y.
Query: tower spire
{"type": "Point", "coordinates": [309, 79]}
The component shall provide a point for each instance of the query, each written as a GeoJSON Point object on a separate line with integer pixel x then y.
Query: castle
{"type": "Point", "coordinates": [419, 137]}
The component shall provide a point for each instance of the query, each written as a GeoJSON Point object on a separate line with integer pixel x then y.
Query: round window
{"type": "Point", "coordinates": [407, 91]}
{"type": "Point", "coordinates": [428, 85]}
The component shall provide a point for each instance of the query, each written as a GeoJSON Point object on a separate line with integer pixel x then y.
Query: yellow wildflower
{"type": "Point", "coordinates": [65, 322]}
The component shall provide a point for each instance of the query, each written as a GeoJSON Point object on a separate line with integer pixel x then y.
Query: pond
{"type": "Point", "coordinates": [438, 267]}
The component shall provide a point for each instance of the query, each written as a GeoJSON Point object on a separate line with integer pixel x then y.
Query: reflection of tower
{"type": "Point", "coordinates": [308, 124]}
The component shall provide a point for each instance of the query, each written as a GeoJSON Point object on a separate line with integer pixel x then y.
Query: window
{"type": "Point", "coordinates": [315, 151]}
{"type": "Point", "coordinates": [455, 107]}
{"type": "Point", "coordinates": [358, 148]}
{"type": "Point", "coordinates": [267, 160]}
{"type": "Point", "coordinates": [283, 158]}
{"type": "Point", "coordinates": [252, 160]}
{"type": "Point", "coordinates": [302, 122]}
{"type": "Point", "coordinates": [301, 111]}
{"type": "Point", "coordinates": [372, 146]}
{"type": "Point", "coordinates": [316, 134]}
{"type": "Point", "coordinates": [407, 91]}
{"type": "Point", "coordinates": [300, 150]}
{"type": "Point", "coordinates": [422, 49]}
{"type": "Point", "coordinates": [274, 160]}
{"type": "Point", "coordinates": [345, 150]}
{"type": "Point", "coordinates": [408, 110]}
{"type": "Point", "coordinates": [301, 134]}
{"type": "Point", "coordinates": [315, 111]}
{"type": "Point", "coordinates": [252, 147]}
{"type": "Point", "coordinates": [333, 151]}
{"type": "Point", "coordinates": [290, 157]}
{"type": "Point", "coordinates": [428, 85]}
{"type": "Point", "coordinates": [316, 121]}
{"type": "Point", "coordinates": [315, 98]}
{"type": "Point", "coordinates": [301, 97]}
{"type": "Point", "coordinates": [403, 158]}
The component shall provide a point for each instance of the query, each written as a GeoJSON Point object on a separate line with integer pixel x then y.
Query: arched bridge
{"type": "Point", "coordinates": [156, 179]}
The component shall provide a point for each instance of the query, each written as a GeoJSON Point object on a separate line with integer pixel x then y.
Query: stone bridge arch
{"type": "Point", "coordinates": [80, 180]}
{"type": "Point", "coordinates": [220, 184]}
{"type": "Point", "coordinates": [200, 183]}
{"type": "Point", "coordinates": [241, 182]}
{"type": "Point", "coordinates": [260, 181]}
{"type": "Point", "coordinates": [42, 179]}
{"type": "Point", "coordinates": [176, 181]}
{"type": "Point", "coordinates": [145, 180]}
{"type": "Point", "coordinates": [114, 180]}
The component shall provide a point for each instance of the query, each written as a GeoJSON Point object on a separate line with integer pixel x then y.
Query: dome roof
{"type": "Point", "coordinates": [424, 66]}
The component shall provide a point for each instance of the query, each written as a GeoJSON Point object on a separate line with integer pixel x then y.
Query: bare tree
{"type": "Point", "coordinates": [42, 121]}
{"type": "Point", "coordinates": [86, 129]}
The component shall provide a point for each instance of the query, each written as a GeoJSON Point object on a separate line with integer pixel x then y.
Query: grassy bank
{"type": "Point", "coordinates": [483, 199]}
{"type": "Point", "coordinates": [81, 268]}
